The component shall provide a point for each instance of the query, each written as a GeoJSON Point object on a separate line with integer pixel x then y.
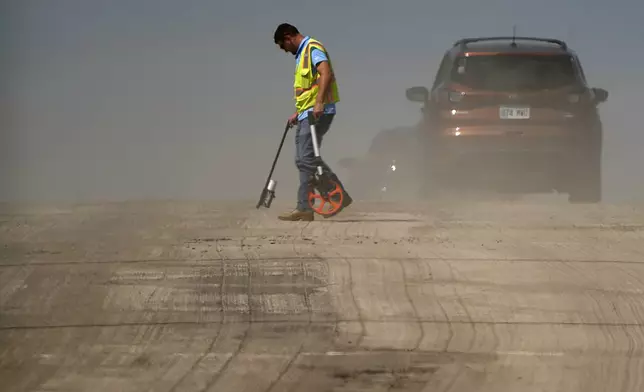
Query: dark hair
{"type": "Point", "coordinates": [283, 30]}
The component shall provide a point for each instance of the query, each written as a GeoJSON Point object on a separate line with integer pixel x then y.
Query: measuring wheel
{"type": "Point", "coordinates": [326, 197]}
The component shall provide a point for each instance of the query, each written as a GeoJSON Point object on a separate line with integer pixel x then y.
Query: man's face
{"type": "Point", "coordinates": [287, 44]}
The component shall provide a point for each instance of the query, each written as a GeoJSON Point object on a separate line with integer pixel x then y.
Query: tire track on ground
{"type": "Point", "coordinates": [213, 342]}
{"type": "Point", "coordinates": [450, 328]}
{"type": "Point", "coordinates": [363, 328]}
{"type": "Point", "coordinates": [177, 261]}
{"type": "Point", "coordinates": [296, 356]}
{"type": "Point", "coordinates": [360, 318]}
{"type": "Point", "coordinates": [460, 301]}
{"type": "Point", "coordinates": [639, 283]}
{"type": "Point", "coordinates": [308, 304]}
{"type": "Point", "coordinates": [244, 340]}
{"type": "Point", "coordinates": [341, 320]}
{"type": "Point", "coordinates": [425, 261]}
{"type": "Point", "coordinates": [421, 336]}
{"type": "Point", "coordinates": [585, 276]}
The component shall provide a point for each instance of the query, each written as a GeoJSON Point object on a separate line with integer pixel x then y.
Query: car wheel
{"type": "Point", "coordinates": [429, 184]}
{"type": "Point", "coordinates": [587, 180]}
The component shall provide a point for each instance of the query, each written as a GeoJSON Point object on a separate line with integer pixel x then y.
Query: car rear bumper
{"type": "Point", "coordinates": [542, 159]}
{"type": "Point", "coordinates": [515, 146]}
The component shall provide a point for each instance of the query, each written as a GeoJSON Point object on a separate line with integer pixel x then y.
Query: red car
{"type": "Point", "coordinates": [511, 114]}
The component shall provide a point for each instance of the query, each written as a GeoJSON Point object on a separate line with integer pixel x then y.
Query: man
{"type": "Point", "coordinates": [316, 91]}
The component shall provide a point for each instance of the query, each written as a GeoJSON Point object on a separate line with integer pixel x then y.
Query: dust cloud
{"type": "Point", "coordinates": [188, 100]}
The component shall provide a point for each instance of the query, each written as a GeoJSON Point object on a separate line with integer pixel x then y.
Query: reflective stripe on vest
{"type": "Point", "coordinates": [300, 91]}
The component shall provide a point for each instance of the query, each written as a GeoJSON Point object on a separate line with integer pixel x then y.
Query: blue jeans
{"type": "Point", "coordinates": [305, 156]}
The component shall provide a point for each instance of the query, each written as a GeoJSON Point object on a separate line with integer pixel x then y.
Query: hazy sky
{"type": "Point", "coordinates": [130, 99]}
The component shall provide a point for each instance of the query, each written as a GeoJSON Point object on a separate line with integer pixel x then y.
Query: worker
{"type": "Point", "coordinates": [316, 91]}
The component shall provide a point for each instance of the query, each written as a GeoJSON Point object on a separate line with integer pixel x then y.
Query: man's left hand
{"type": "Point", "coordinates": [318, 109]}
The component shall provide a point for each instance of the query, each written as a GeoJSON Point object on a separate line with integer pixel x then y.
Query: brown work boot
{"type": "Point", "coordinates": [297, 215]}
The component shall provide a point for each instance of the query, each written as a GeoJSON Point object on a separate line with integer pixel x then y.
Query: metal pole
{"type": "Point", "coordinates": [269, 187]}
{"type": "Point", "coordinates": [314, 135]}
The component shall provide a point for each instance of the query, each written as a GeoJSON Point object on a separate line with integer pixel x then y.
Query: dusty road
{"type": "Point", "coordinates": [512, 296]}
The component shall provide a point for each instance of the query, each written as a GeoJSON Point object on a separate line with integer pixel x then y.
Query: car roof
{"type": "Point", "coordinates": [510, 45]}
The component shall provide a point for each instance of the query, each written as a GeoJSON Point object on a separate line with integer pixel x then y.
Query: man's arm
{"type": "Point", "coordinates": [325, 80]}
{"type": "Point", "coordinates": [321, 63]}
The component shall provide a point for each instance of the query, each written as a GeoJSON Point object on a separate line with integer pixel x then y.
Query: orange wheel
{"type": "Point", "coordinates": [327, 206]}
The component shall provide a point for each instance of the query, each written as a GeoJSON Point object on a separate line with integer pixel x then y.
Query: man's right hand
{"type": "Point", "coordinates": [292, 120]}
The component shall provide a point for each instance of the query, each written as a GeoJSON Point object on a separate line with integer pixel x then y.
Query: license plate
{"type": "Point", "coordinates": [513, 113]}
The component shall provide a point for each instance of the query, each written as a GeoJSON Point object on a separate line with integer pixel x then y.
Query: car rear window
{"type": "Point", "coordinates": [514, 72]}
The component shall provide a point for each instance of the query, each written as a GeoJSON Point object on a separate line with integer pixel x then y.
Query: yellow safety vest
{"type": "Point", "coordinates": [306, 82]}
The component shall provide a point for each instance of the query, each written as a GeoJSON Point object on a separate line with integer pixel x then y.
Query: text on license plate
{"type": "Point", "coordinates": [514, 113]}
